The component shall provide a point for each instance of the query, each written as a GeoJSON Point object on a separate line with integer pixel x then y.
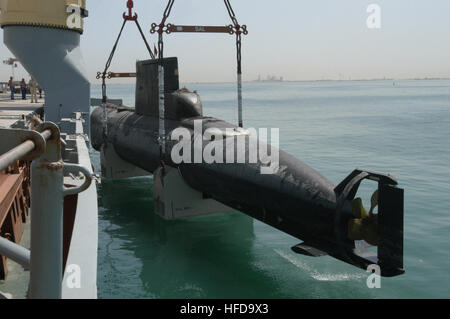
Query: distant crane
{"type": "Point", "coordinates": [12, 62]}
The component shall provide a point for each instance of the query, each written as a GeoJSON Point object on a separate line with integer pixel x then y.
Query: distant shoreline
{"type": "Point", "coordinates": [298, 81]}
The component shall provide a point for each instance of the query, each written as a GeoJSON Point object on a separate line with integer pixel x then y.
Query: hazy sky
{"type": "Point", "coordinates": [296, 39]}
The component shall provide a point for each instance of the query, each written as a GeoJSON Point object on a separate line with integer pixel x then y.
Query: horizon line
{"type": "Point", "coordinates": [297, 81]}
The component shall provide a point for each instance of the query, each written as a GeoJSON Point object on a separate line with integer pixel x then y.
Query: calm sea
{"type": "Point", "coordinates": [401, 128]}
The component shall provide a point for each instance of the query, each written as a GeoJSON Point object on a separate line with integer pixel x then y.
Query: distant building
{"type": "Point", "coordinates": [270, 78]}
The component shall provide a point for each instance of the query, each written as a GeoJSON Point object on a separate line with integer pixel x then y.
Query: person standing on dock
{"type": "Point", "coordinates": [33, 90]}
{"type": "Point", "coordinates": [12, 87]}
{"type": "Point", "coordinates": [23, 88]}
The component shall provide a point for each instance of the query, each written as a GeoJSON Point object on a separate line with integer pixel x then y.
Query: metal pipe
{"type": "Point", "coordinates": [20, 151]}
{"type": "Point", "coordinates": [46, 227]}
{"type": "Point", "coordinates": [47, 134]}
{"type": "Point", "coordinates": [16, 154]}
{"type": "Point", "coordinates": [15, 252]}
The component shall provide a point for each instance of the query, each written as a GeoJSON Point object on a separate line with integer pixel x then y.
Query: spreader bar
{"type": "Point", "coordinates": [112, 75]}
{"type": "Point", "coordinates": [171, 28]}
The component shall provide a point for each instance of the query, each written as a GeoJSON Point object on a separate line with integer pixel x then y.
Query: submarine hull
{"type": "Point", "coordinates": [295, 198]}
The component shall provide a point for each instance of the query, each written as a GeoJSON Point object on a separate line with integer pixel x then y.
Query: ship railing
{"type": "Point", "coordinates": [45, 257]}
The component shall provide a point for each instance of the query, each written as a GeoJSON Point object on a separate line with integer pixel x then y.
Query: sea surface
{"type": "Point", "coordinates": [401, 128]}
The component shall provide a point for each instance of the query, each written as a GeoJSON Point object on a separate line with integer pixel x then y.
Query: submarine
{"type": "Point", "coordinates": [166, 131]}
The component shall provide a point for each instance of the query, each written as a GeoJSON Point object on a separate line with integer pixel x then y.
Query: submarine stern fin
{"type": "Point", "coordinates": [383, 230]}
{"type": "Point", "coordinates": [308, 250]}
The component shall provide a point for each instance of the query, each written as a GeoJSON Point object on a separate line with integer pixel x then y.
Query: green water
{"type": "Point", "coordinates": [334, 127]}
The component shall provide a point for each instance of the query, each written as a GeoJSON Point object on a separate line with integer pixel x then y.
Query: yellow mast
{"type": "Point", "coordinates": [61, 14]}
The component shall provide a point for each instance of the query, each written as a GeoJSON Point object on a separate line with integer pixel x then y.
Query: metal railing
{"type": "Point", "coordinates": [45, 257]}
{"type": "Point", "coordinates": [22, 150]}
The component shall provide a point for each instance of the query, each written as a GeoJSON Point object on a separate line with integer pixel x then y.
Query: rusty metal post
{"type": "Point", "coordinates": [47, 224]}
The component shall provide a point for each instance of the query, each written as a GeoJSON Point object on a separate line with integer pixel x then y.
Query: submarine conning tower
{"type": "Point", "coordinates": [43, 33]}
{"type": "Point", "coordinates": [178, 104]}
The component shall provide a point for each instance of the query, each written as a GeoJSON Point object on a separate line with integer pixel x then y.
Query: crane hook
{"type": "Point", "coordinates": [130, 16]}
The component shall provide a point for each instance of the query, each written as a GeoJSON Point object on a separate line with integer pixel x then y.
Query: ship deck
{"type": "Point", "coordinates": [16, 284]}
{"type": "Point", "coordinates": [13, 112]}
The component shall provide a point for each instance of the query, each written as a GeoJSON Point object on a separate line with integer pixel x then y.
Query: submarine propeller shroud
{"type": "Point", "coordinates": [295, 199]}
